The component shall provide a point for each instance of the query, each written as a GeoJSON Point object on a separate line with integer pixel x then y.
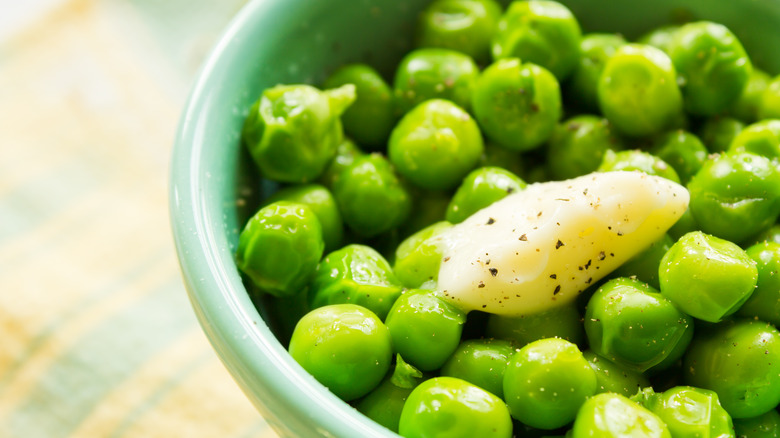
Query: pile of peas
{"type": "Point", "coordinates": [679, 341]}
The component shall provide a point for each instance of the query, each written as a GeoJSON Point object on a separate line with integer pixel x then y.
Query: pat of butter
{"type": "Point", "coordinates": [540, 247]}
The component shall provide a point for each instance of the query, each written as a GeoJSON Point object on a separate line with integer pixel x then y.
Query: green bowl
{"type": "Point", "coordinates": [213, 188]}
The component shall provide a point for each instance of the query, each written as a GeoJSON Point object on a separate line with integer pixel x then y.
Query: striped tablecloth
{"type": "Point", "coordinates": [97, 338]}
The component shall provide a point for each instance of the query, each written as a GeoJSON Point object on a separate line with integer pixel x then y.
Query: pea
{"type": "Point", "coordinates": [637, 160]}
{"type": "Point", "coordinates": [684, 225]}
{"type": "Point", "coordinates": [660, 38]}
{"type": "Point", "coordinates": [595, 49]}
{"type": "Point", "coordinates": [385, 402]}
{"type": "Point", "coordinates": [611, 415]}
{"type": "Point", "coordinates": [763, 426]}
{"type": "Point", "coordinates": [764, 302]}
{"type": "Point", "coordinates": [426, 74]}
{"type": "Point", "coordinates": [770, 235]}
{"type": "Point", "coordinates": [769, 107]}
{"type": "Point", "coordinates": [371, 117]}
{"type": "Point", "coordinates": [740, 361]}
{"type": "Point", "coordinates": [447, 407]}
{"type": "Point", "coordinates": [638, 91]}
{"type": "Point", "coordinates": [435, 145]}
{"type": "Point", "coordinates": [735, 195]}
{"type": "Point", "coordinates": [497, 156]}
{"type": "Point", "coordinates": [644, 266]}
{"type": "Point", "coordinates": [345, 347]}
{"type": "Point", "coordinates": [418, 257]}
{"type": "Point", "coordinates": [479, 189]}
{"type": "Point", "coordinates": [292, 131]}
{"type": "Point", "coordinates": [546, 382]}
{"type": "Point", "coordinates": [746, 106]}
{"type": "Point", "coordinates": [371, 181]}
{"type": "Point", "coordinates": [517, 105]}
{"type": "Point", "coordinates": [463, 25]}
{"type": "Point", "coordinates": [481, 362]}
{"type": "Point", "coordinates": [562, 322]}
{"type": "Point", "coordinates": [346, 153]}
{"type": "Point", "coordinates": [690, 412]}
{"type": "Point", "coordinates": [280, 247]}
{"type": "Point", "coordinates": [717, 133]}
{"type": "Point", "coordinates": [681, 150]}
{"type": "Point", "coordinates": [761, 138]}
{"type": "Point", "coordinates": [355, 274]}
{"type": "Point", "coordinates": [611, 377]}
{"type": "Point", "coordinates": [542, 32]}
{"type": "Point", "coordinates": [578, 145]}
{"type": "Point", "coordinates": [321, 202]}
{"type": "Point", "coordinates": [632, 324]}
{"type": "Point", "coordinates": [425, 329]}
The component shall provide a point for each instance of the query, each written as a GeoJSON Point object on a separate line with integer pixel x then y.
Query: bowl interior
{"type": "Point", "coordinates": [214, 186]}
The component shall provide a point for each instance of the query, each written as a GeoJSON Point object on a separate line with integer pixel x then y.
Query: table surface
{"type": "Point", "coordinates": [97, 338]}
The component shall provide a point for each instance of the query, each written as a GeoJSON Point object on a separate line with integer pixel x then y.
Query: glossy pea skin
{"type": "Point", "coordinates": [435, 145]}
{"type": "Point", "coordinates": [517, 105]}
{"type": "Point", "coordinates": [425, 328]}
{"type": "Point", "coordinates": [322, 203]}
{"type": "Point", "coordinates": [717, 133]}
{"type": "Point", "coordinates": [279, 248]}
{"type": "Point", "coordinates": [660, 38]}
{"type": "Point", "coordinates": [632, 324]}
{"type": "Point", "coordinates": [763, 426]}
{"type": "Point", "coordinates": [426, 74]}
{"type": "Point", "coordinates": [746, 106]}
{"type": "Point", "coordinates": [735, 195]}
{"type": "Point", "coordinates": [345, 347]}
{"type": "Point", "coordinates": [772, 234]}
{"type": "Point", "coordinates": [346, 153]}
{"type": "Point", "coordinates": [418, 257]}
{"type": "Point", "coordinates": [681, 150]}
{"type": "Point", "coordinates": [760, 138]}
{"type": "Point", "coordinates": [292, 131]}
{"type": "Point", "coordinates": [371, 117]}
{"type": "Point", "coordinates": [595, 49]}
{"type": "Point", "coordinates": [578, 145]}
{"type": "Point", "coordinates": [739, 360]}
{"type": "Point", "coordinates": [562, 322]}
{"type": "Point", "coordinates": [611, 377]}
{"type": "Point", "coordinates": [370, 196]}
{"type": "Point", "coordinates": [637, 160]}
{"type": "Point", "coordinates": [644, 266]}
{"type": "Point", "coordinates": [355, 274]}
{"type": "Point", "coordinates": [546, 382]}
{"type": "Point", "coordinates": [707, 277]}
{"type": "Point", "coordinates": [712, 65]}
{"type": "Point", "coordinates": [638, 90]}
{"type": "Point", "coordinates": [481, 362]}
{"type": "Point", "coordinates": [690, 412]}
{"type": "Point", "coordinates": [463, 25]}
{"type": "Point", "coordinates": [542, 32]}
{"type": "Point", "coordinates": [385, 402]}
{"type": "Point", "coordinates": [446, 407]}
{"type": "Point", "coordinates": [611, 415]}
{"type": "Point", "coordinates": [769, 107]}
{"type": "Point", "coordinates": [479, 189]}
{"type": "Point", "coordinates": [764, 302]}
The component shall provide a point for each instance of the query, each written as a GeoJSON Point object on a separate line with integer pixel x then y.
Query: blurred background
{"type": "Point", "coordinates": [97, 338]}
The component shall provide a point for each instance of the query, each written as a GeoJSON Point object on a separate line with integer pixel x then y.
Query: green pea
{"type": "Point", "coordinates": [763, 426]}
{"type": "Point", "coordinates": [717, 133]}
{"type": "Point", "coordinates": [346, 153]}
{"type": "Point", "coordinates": [517, 105]}
{"type": "Point", "coordinates": [746, 106]}
{"type": "Point", "coordinates": [546, 382]}
{"type": "Point", "coordinates": [463, 25]}
{"type": "Point", "coordinates": [769, 107]}
{"type": "Point", "coordinates": [764, 303]}
{"type": "Point", "coordinates": [418, 257]}
{"type": "Point", "coordinates": [684, 225]}
{"type": "Point", "coordinates": [280, 247]}
{"type": "Point", "coordinates": [611, 415]}
{"type": "Point", "coordinates": [425, 329]}
{"type": "Point", "coordinates": [562, 322]}
{"type": "Point", "coordinates": [371, 117]}
{"type": "Point", "coordinates": [644, 266]}
{"type": "Point", "coordinates": [638, 90]}
{"type": "Point", "coordinates": [660, 38]}
{"type": "Point", "coordinates": [481, 362]}
{"type": "Point", "coordinates": [321, 202]}
{"type": "Point", "coordinates": [385, 402]}
{"type": "Point", "coordinates": [739, 360]}
{"type": "Point", "coordinates": [596, 49]}
{"type": "Point", "coordinates": [355, 274]}
{"type": "Point", "coordinates": [447, 407]}
{"type": "Point", "coordinates": [345, 347]}
{"type": "Point", "coordinates": [426, 74]}
{"type": "Point", "coordinates": [292, 131]}
{"type": "Point", "coordinates": [735, 195]}
{"type": "Point", "coordinates": [761, 138]}
{"type": "Point", "coordinates": [578, 145]}
{"type": "Point", "coordinates": [637, 160]}
{"type": "Point", "coordinates": [672, 363]}
{"type": "Point", "coordinates": [371, 197]}
{"type": "Point", "coordinates": [681, 150]}
{"type": "Point", "coordinates": [435, 145]}
{"type": "Point", "coordinates": [497, 156]}
{"type": "Point", "coordinates": [542, 32]}
{"type": "Point", "coordinates": [632, 324]}
{"type": "Point", "coordinates": [772, 234]}
{"type": "Point", "coordinates": [611, 377]}
{"type": "Point", "coordinates": [481, 188]}
{"type": "Point", "coordinates": [690, 412]}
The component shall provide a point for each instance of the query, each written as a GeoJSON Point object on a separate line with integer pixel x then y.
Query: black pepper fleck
{"type": "Point", "coordinates": [558, 244]}
{"type": "Point", "coordinates": [553, 276]}
{"type": "Point", "coordinates": [557, 289]}
{"type": "Point", "coordinates": [602, 256]}
{"type": "Point", "coordinates": [491, 221]}
{"type": "Point", "coordinates": [523, 238]}
{"type": "Point", "coordinates": [493, 271]}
